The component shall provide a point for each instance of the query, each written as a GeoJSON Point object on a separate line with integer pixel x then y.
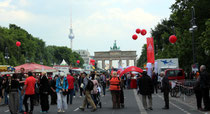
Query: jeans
{"type": "Point", "coordinates": [31, 102]}
{"type": "Point", "coordinates": [75, 89]}
{"type": "Point", "coordinates": [20, 101]}
{"type": "Point", "coordinates": [144, 100]}
{"type": "Point", "coordinates": [13, 102]}
{"type": "Point", "coordinates": [104, 88]}
{"type": "Point", "coordinates": [5, 98]}
{"type": "Point", "coordinates": [70, 94]}
{"type": "Point", "coordinates": [61, 101]}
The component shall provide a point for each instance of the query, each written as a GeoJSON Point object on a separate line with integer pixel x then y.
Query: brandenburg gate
{"type": "Point", "coordinates": [115, 54]}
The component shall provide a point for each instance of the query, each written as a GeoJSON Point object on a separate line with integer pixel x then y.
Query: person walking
{"type": "Point", "coordinates": [14, 94]}
{"type": "Point", "coordinates": [115, 90]}
{"type": "Point", "coordinates": [94, 92]}
{"type": "Point", "coordinates": [80, 83]}
{"type": "Point", "coordinates": [29, 89]}
{"type": "Point", "coordinates": [103, 83]}
{"type": "Point", "coordinates": [165, 88]}
{"type": "Point", "coordinates": [88, 86]}
{"type": "Point", "coordinates": [70, 94]}
{"type": "Point", "coordinates": [204, 85]}
{"type": "Point", "coordinates": [198, 94]}
{"type": "Point", "coordinates": [61, 90]}
{"type": "Point", "coordinates": [128, 80]}
{"type": "Point", "coordinates": [6, 88]}
{"type": "Point", "coordinates": [122, 104]}
{"type": "Point", "coordinates": [146, 89]}
{"type": "Point", "coordinates": [21, 78]}
{"type": "Point", "coordinates": [44, 91]}
{"type": "Point", "coordinates": [1, 86]}
{"type": "Point", "coordinates": [155, 82]}
{"type": "Point", "coordinates": [76, 78]}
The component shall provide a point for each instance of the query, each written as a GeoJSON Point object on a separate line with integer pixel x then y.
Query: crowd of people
{"type": "Point", "coordinates": [148, 85]}
{"type": "Point", "coordinates": [62, 89]}
{"type": "Point", "coordinates": [29, 88]}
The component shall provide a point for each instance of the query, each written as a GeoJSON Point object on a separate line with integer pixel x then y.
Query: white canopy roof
{"type": "Point", "coordinates": [63, 62]}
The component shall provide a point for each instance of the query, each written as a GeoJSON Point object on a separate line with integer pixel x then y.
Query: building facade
{"type": "Point", "coordinates": [85, 54]}
{"type": "Point", "coordinates": [115, 54]}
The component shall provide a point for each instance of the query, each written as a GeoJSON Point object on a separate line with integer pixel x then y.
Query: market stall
{"type": "Point", "coordinates": [37, 68]}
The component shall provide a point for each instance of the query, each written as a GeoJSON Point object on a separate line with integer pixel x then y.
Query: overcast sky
{"type": "Point", "coordinates": [96, 23]}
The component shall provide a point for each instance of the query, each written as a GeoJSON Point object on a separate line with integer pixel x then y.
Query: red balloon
{"type": "Point", "coordinates": [172, 39]}
{"type": "Point", "coordinates": [92, 60]}
{"type": "Point", "coordinates": [138, 31]}
{"type": "Point", "coordinates": [18, 43]}
{"type": "Point", "coordinates": [134, 37]}
{"type": "Point", "coordinates": [78, 61]}
{"type": "Point", "coordinates": [143, 32]}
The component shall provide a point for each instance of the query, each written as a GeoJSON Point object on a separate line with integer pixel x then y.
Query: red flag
{"type": "Point", "coordinates": [150, 50]}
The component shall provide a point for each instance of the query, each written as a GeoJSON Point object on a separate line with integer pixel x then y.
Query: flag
{"type": "Point", "coordinates": [150, 51]}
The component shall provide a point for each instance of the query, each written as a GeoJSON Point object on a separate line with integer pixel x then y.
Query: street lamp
{"type": "Point", "coordinates": [6, 55]}
{"type": "Point", "coordinates": [192, 29]}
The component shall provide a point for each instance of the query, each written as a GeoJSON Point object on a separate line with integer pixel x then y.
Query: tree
{"type": "Point", "coordinates": [143, 58]}
{"type": "Point", "coordinates": [2, 60]}
{"type": "Point", "coordinates": [32, 49]}
{"type": "Point", "coordinates": [179, 24]}
{"type": "Point", "coordinates": [13, 61]}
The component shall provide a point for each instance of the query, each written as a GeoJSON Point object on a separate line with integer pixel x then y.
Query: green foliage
{"type": "Point", "coordinates": [143, 58]}
{"type": "Point", "coordinates": [2, 60]}
{"type": "Point", "coordinates": [179, 24]}
{"type": "Point", "coordinates": [32, 49]}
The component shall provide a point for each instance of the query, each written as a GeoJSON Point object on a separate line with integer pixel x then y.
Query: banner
{"type": "Point", "coordinates": [150, 51]}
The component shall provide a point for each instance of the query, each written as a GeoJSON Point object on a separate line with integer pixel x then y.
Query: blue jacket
{"type": "Point", "coordinates": [59, 87]}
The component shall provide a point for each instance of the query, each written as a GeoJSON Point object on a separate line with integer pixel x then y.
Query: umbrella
{"type": "Point", "coordinates": [130, 69]}
{"type": "Point", "coordinates": [119, 71]}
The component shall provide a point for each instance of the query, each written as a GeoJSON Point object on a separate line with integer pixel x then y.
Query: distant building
{"type": "Point", "coordinates": [85, 54]}
{"type": "Point", "coordinates": [115, 58]}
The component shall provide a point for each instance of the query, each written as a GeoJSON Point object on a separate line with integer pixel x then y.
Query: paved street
{"type": "Point", "coordinates": [132, 105]}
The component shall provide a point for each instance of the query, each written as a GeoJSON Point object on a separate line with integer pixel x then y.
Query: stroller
{"type": "Point", "coordinates": [96, 99]}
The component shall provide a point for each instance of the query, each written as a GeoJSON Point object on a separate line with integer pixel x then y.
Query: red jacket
{"type": "Point", "coordinates": [70, 81]}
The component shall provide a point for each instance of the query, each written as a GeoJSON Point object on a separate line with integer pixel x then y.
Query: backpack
{"type": "Point", "coordinates": [118, 79]}
{"type": "Point", "coordinates": [89, 85]}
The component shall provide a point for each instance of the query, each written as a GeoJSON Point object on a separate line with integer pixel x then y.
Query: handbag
{"type": "Point", "coordinates": [82, 85]}
{"type": "Point", "coordinates": [64, 92]}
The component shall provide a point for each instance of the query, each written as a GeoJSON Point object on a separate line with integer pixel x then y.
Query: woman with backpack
{"type": "Point", "coordinates": [115, 90]}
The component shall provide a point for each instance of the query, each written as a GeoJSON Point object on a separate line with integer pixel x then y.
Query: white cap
{"type": "Point", "coordinates": [61, 74]}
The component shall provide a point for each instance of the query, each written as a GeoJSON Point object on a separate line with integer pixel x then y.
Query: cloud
{"type": "Point", "coordinates": [96, 23]}
{"type": "Point", "coordinates": [10, 12]}
{"type": "Point", "coordinates": [24, 3]}
{"type": "Point", "coordinates": [101, 28]}
{"type": "Point", "coordinates": [5, 4]}
{"type": "Point", "coordinates": [115, 21]}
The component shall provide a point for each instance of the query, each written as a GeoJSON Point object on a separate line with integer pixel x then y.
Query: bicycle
{"type": "Point", "coordinates": [176, 90]}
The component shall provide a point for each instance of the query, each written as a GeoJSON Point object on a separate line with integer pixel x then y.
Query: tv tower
{"type": "Point", "coordinates": [71, 34]}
